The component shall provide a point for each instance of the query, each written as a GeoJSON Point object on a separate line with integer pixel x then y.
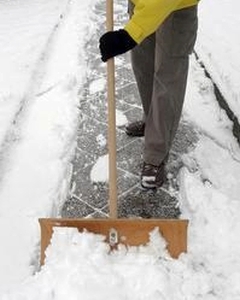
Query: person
{"type": "Point", "coordinates": [161, 35]}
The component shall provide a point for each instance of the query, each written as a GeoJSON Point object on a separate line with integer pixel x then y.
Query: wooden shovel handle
{"type": "Point", "coordinates": [111, 120]}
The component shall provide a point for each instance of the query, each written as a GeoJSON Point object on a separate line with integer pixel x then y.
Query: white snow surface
{"type": "Point", "coordinates": [218, 47]}
{"type": "Point", "coordinates": [42, 63]}
{"type": "Point", "coordinates": [42, 67]}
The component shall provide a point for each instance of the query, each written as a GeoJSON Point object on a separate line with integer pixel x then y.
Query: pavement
{"type": "Point", "coordinates": [89, 199]}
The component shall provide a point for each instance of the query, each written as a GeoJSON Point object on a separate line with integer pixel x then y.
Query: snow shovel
{"type": "Point", "coordinates": [131, 232]}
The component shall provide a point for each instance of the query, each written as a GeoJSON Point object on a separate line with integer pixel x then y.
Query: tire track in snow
{"type": "Point", "coordinates": [34, 185]}
{"type": "Point", "coordinates": [13, 134]}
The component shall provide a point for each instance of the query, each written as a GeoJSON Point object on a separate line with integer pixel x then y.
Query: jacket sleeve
{"type": "Point", "coordinates": [147, 16]}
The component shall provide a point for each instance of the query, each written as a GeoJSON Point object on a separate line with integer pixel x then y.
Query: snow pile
{"type": "Point", "coordinates": [214, 242]}
{"type": "Point", "coordinates": [80, 266]}
{"type": "Point", "coordinates": [202, 109]}
{"type": "Point", "coordinates": [42, 66]}
{"type": "Point", "coordinates": [218, 47]}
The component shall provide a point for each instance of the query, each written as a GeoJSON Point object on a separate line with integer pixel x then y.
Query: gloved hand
{"type": "Point", "coordinates": [114, 43]}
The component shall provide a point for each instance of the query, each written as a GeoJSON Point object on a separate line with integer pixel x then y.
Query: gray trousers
{"type": "Point", "coordinates": [160, 65]}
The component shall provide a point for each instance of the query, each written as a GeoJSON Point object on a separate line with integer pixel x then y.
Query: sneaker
{"type": "Point", "coordinates": [135, 129]}
{"type": "Point", "coordinates": [152, 176]}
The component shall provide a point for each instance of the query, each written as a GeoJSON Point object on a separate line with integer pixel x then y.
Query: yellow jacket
{"type": "Point", "coordinates": [149, 14]}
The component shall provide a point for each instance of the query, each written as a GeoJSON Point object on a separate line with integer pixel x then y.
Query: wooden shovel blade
{"type": "Point", "coordinates": [132, 232]}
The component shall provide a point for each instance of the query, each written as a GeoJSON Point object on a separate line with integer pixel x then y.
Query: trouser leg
{"type": "Point", "coordinates": [142, 58]}
{"type": "Point", "coordinates": [143, 68]}
{"type": "Point", "coordinates": [174, 41]}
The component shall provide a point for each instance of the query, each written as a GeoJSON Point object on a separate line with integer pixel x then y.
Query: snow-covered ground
{"type": "Point", "coordinates": [42, 67]}
{"type": "Point", "coordinates": [42, 63]}
{"type": "Point", "coordinates": [218, 46]}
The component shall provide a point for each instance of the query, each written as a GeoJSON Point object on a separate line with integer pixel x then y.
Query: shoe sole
{"type": "Point", "coordinates": [150, 186]}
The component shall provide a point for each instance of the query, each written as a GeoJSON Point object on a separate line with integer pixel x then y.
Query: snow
{"type": "Point", "coordinates": [218, 47]}
{"type": "Point", "coordinates": [39, 87]}
{"type": "Point", "coordinates": [43, 65]}
{"type": "Point", "coordinates": [97, 85]}
{"type": "Point", "coordinates": [121, 119]}
{"type": "Point", "coordinates": [99, 171]}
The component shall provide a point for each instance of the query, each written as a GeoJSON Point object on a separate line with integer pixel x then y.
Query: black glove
{"type": "Point", "coordinates": [114, 43]}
